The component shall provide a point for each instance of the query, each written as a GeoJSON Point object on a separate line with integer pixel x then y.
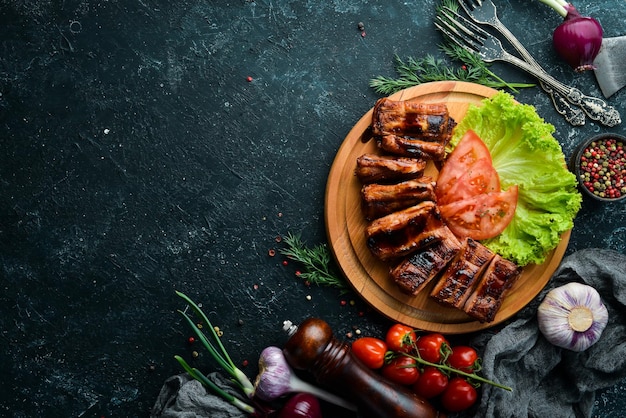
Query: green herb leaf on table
{"type": "Point", "coordinates": [317, 262]}
{"type": "Point", "coordinates": [469, 67]}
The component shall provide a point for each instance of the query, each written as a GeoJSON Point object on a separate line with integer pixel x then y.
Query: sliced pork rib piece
{"type": "Point", "coordinates": [402, 232]}
{"type": "Point", "coordinates": [383, 199]}
{"type": "Point", "coordinates": [417, 270]}
{"type": "Point", "coordinates": [426, 121]}
{"type": "Point", "coordinates": [457, 282]}
{"type": "Point", "coordinates": [485, 301]}
{"type": "Point", "coordinates": [372, 168]}
{"type": "Point", "coordinates": [413, 147]}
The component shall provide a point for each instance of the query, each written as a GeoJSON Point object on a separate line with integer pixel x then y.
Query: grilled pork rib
{"type": "Point", "coordinates": [412, 147]}
{"type": "Point", "coordinates": [485, 301]}
{"type": "Point", "coordinates": [426, 121]}
{"type": "Point", "coordinates": [372, 168]}
{"type": "Point", "coordinates": [417, 270]}
{"type": "Point", "coordinates": [457, 281]}
{"type": "Point", "coordinates": [383, 199]}
{"type": "Point", "coordinates": [405, 231]}
{"type": "Point", "coordinates": [412, 129]}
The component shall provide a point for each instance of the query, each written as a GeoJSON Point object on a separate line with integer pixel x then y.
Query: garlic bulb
{"type": "Point", "coordinates": [572, 316]}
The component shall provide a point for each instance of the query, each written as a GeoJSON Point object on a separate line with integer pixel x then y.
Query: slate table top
{"type": "Point", "coordinates": [153, 146]}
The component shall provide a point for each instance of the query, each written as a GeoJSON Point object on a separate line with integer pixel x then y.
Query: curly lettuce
{"type": "Point", "coordinates": [525, 153]}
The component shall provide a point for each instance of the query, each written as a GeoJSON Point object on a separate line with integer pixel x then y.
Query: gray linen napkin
{"type": "Point", "coordinates": [548, 381]}
{"type": "Point", "coordinates": [184, 397]}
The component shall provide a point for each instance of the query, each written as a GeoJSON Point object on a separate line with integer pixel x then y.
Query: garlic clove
{"type": "Point", "coordinates": [572, 316]}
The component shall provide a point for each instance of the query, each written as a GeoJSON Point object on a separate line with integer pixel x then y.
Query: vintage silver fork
{"type": "Point", "coordinates": [468, 35]}
{"type": "Point", "coordinates": [485, 12]}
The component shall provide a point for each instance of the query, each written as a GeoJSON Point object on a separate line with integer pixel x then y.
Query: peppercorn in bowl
{"type": "Point", "coordinates": [599, 164]}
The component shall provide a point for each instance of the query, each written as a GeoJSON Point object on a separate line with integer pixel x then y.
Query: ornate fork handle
{"type": "Point", "coordinates": [595, 108]}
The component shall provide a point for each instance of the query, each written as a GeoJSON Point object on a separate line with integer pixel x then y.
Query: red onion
{"type": "Point", "coordinates": [578, 39]}
{"type": "Point", "coordinates": [301, 405]}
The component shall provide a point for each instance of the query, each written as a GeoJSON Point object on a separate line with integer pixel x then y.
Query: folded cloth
{"type": "Point", "coordinates": [184, 397]}
{"type": "Point", "coordinates": [548, 381]}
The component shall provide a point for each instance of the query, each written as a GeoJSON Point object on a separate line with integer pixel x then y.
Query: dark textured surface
{"type": "Point", "coordinates": [137, 159]}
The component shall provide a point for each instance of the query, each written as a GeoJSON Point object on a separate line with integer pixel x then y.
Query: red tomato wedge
{"type": "Point", "coordinates": [481, 217]}
{"type": "Point", "coordinates": [468, 151]}
{"type": "Point", "coordinates": [478, 179]}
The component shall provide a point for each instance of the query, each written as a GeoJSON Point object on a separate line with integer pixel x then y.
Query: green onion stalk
{"type": "Point", "coordinates": [216, 349]}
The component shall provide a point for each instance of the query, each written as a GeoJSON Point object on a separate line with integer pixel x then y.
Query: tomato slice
{"type": "Point", "coordinates": [481, 217]}
{"type": "Point", "coordinates": [481, 177]}
{"type": "Point", "coordinates": [467, 152]}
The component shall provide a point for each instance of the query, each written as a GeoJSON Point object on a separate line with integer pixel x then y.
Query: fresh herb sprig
{"type": "Point", "coordinates": [315, 260]}
{"type": "Point", "coordinates": [414, 71]}
{"type": "Point", "coordinates": [218, 352]}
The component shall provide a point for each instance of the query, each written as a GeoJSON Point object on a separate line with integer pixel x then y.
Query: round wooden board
{"type": "Point", "coordinates": [368, 275]}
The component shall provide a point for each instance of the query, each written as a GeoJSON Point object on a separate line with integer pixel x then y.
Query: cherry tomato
{"type": "Point", "coordinates": [371, 351]}
{"type": "Point", "coordinates": [400, 338]}
{"type": "Point", "coordinates": [459, 395]}
{"type": "Point", "coordinates": [431, 382]}
{"type": "Point", "coordinates": [432, 347]}
{"type": "Point", "coordinates": [464, 358]}
{"type": "Point", "coordinates": [402, 370]}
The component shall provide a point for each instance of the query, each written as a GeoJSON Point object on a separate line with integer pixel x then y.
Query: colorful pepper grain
{"type": "Point", "coordinates": [603, 168]}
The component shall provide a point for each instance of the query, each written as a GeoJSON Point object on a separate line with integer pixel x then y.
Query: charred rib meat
{"type": "Point", "coordinates": [485, 301]}
{"type": "Point", "coordinates": [426, 121]}
{"type": "Point", "coordinates": [412, 129]}
{"type": "Point", "coordinates": [457, 281]}
{"type": "Point", "coordinates": [405, 231]}
{"type": "Point", "coordinates": [383, 199]}
{"type": "Point", "coordinates": [372, 168]}
{"type": "Point", "coordinates": [416, 271]}
{"type": "Point", "coordinates": [407, 146]}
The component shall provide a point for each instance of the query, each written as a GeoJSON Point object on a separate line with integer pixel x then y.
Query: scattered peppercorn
{"type": "Point", "coordinates": [191, 340]}
{"type": "Point", "coordinates": [603, 168]}
{"type": "Point", "coordinates": [285, 262]}
{"type": "Point", "coordinates": [244, 363]}
{"type": "Point", "coordinates": [249, 79]}
{"type": "Point", "coordinates": [271, 252]}
{"type": "Point", "coordinates": [361, 26]}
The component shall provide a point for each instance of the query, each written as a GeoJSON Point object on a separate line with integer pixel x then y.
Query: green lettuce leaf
{"type": "Point", "coordinates": [525, 153]}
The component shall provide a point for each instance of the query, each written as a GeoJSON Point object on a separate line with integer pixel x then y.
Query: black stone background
{"type": "Point", "coordinates": [136, 159]}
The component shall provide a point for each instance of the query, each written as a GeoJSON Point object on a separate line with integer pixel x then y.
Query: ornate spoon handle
{"type": "Point", "coordinates": [595, 108]}
{"type": "Point", "coordinates": [574, 115]}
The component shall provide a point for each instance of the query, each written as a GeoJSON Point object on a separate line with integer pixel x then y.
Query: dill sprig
{"type": "Point", "coordinates": [315, 260]}
{"type": "Point", "coordinates": [414, 71]}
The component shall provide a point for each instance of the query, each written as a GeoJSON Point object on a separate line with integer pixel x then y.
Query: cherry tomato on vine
{"type": "Point", "coordinates": [464, 358]}
{"type": "Point", "coordinates": [459, 395]}
{"type": "Point", "coordinates": [431, 382]}
{"type": "Point", "coordinates": [400, 338]}
{"type": "Point", "coordinates": [371, 351]}
{"type": "Point", "coordinates": [432, 347]}
{"type": "Point", "coordinates": [402, 370]}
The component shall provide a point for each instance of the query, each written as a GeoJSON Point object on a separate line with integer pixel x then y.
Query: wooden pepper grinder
{"type": "Point", "coordinates": [313, 347]}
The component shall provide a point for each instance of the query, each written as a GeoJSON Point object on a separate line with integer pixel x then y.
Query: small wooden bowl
{"type": "Point", "coordinates": [581, 159]}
